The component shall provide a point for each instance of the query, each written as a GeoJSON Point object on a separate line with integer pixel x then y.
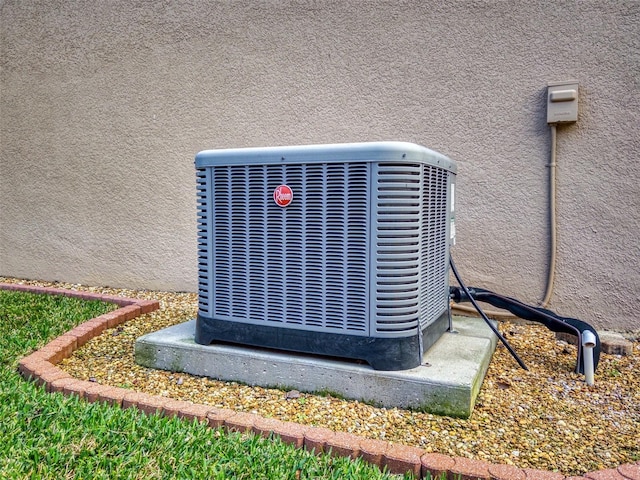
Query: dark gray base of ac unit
{"type": "Point", "coordinates": [401, 353]}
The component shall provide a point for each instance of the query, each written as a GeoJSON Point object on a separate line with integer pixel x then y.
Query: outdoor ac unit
{"type": "Point", "coordinates": [338, 250]}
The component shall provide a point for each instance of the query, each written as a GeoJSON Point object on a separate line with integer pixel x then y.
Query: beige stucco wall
{"type": "Point", "coordinates": [104, 104]}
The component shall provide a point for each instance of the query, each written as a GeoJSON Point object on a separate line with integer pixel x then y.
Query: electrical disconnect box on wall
{"type": "Point", "coordinates": [562, 102]}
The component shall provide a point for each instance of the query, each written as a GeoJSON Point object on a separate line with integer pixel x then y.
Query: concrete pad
{"type": "Point", "coordinates": [447, 382]}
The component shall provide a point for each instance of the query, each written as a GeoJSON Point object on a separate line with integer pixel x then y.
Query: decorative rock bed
{"type": "Point", "coordinates": [42, 368]}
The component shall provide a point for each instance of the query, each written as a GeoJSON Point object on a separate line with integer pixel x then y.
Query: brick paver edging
{"type": "Point", "coordinates": [41, 368]}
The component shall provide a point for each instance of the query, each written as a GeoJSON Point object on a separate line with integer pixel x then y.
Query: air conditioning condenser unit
{"type": "Point", "coordinates": [336, 250]}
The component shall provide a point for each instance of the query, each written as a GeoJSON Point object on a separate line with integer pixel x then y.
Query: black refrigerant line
{"type": "Point", "coordinates": [548, 318]}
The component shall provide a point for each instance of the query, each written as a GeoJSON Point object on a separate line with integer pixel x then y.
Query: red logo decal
{"type": "Point", "coordinates": [283, 195]}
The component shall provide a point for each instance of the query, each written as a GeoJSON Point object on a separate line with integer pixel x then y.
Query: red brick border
{"type": "Point", "coordinates": [40, 368]}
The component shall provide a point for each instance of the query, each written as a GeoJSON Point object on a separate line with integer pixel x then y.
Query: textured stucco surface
{"type": "Point", "coordinates": [104, 104]}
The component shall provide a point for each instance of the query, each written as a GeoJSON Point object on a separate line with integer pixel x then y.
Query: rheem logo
{"type": "Point", "coordinates": [283, 195]}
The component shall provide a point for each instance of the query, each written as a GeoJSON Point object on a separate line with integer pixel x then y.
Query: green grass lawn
{"type": "Point", "coordinates": [50, 436]}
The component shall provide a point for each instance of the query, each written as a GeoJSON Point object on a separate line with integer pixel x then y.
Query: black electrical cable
{"type": "Point", "coordinates": [484, 317]}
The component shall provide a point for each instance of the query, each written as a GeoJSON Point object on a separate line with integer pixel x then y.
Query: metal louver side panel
{"type": "Point", "coordinates": [304, 266]}
{"type": "Point", "coordinates": [434, 257]}
{"type": "Point", "coordinates": [397, 193]}
{"type": "Point", "coordinates": [204, 253]}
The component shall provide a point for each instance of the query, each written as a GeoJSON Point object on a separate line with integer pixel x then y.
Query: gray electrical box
{"type": "Point", "coordinates": [562, 102]}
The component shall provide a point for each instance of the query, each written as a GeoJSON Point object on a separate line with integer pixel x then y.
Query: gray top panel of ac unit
{"type": "Point", "coordinates": [401, 152]}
